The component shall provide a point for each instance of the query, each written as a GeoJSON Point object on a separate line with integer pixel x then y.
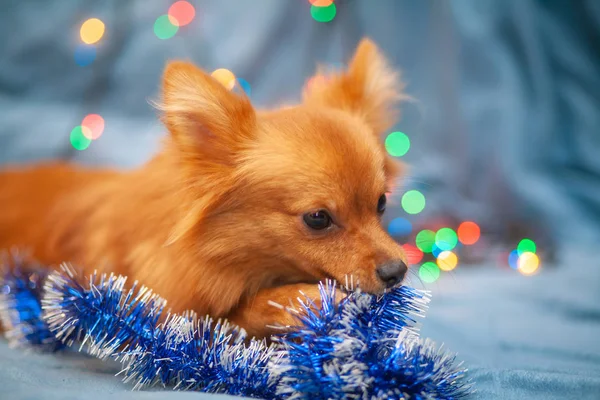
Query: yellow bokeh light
{"type": "Point", "coordinates": [91, 31]}
{"type": "Point", "coordinates": [225, 76]}
{"type": "Point", "coordinates": [447, 260]}
{"type": "Point", "coordinates": [528, 263]}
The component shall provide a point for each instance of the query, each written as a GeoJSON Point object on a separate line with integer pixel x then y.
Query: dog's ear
{"type": "Point", "coordinates": [209, 127]}
{"type": "Point", "coordinates": [204, 118]}
{"type": "Point", "coordinates": [369, 88]}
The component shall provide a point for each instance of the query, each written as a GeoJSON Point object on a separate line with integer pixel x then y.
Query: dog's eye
{"type": "Point", "coordinates": [381, 204]}
{"type": "Point", "coordinates": [317, 220]}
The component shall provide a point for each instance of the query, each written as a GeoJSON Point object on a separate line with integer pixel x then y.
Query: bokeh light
{"type": "Point", "coordinates": [85, 55]}
{"type": "Point", "coordinates": [181, 13]}
{"type": "Point", "coordinates": [413, 202]}
{"type": "Point", "coordinates": [446, 239]}
{"type": "Point", "coordinates": [413, 254]}
{"type": "Point", "coordinates": [513, 259]}
{"type": "Point", "coordinates": [79, 137]}
{"type": "Point", "coordinates": [95, 126]}
{"type": "Point", "coordinates": [447, 261]}
{"type": "Point", "coordinates": [526, 246]}
{"type": "Point", "coordinates": [429, 272]}
{"type": "Point", "coordinates": [91, 31]}
{"type": "Point", "coordinates": [323, 14]}
{"type": "Point", "coordinates": [399, 227]}
{"type": "Point", "coordinates": [245, 86]}
{"type": "Point", "coordinates": [321, 3]}
{"type": "Point", "coordinates": [528, 263]}
{"type": "Point", "coordinates": [468, 232]}
{"type": "Point", "coordinates": [425, 240]}
{"type": "Point", "coordinates": [225, 76]}
{"type": "Point", "coordinates": [397, 144]}
{"type": "Point", "coordinates": [435, 251]}
{"type": "Point", "coordinates": [164, 28]}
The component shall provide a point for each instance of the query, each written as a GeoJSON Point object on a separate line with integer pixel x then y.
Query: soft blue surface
{"type": "Point", "coordinates": [504, 132]}
{"type": "Point", "coordinates": [522, 338]}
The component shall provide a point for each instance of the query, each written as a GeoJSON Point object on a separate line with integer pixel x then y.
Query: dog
{"type": "Point", "coordinates": [240, 209]}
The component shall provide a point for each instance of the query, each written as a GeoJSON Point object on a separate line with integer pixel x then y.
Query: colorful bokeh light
{"type": "Point", "coordinates": [164, 28]}
{"type": "Point", "coordinates": [468, 232]}
{"type": "Point", "coordinates": [94, 124]}
{"type": "Point", "coordinates": [429, 272]}
{"type": "Point", "coordinates": [397, 144]}
{"type": "Point", "coordinates": [399, 227]}
{"type": "Point", "coordinates": [181, 13]}
{"type": "Point", "coordinates": [513, 259]}
{"type": "Point", "coordinates": [79, 137]}
{"type": "Point", "coordinates": [85, 55]}
{"type": "Point", "coordinates": [425, 240]}
{"type": "Point", "coordinates": [528, 263]}
{"type": "Point", "coordinates": [435, 251]}
{"type": "Point", "coordinates": [225, 76]}
{"type": "Point", "coordinates": [91, 31]}
{"type": "Point", "coordinates": [323, 14]}
{"type": "Point", "coordinates": [413, 202]}
{"type": "Point", "coordinates": [446, 239]}
{"type": "Point", "coordinates": [447, 260]}
{"type": "Point", "coordinates": [245, 86]}
{"type": "Point", "coordinates": [413, 254]}
{"type": "Point", "coordinates": [321, 3]}
{"type": "Point", "coordinates": [526, 246]}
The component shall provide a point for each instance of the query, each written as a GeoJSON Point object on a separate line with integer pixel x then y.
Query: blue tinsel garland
{"type": "Point", "coordinates": [365, 347]}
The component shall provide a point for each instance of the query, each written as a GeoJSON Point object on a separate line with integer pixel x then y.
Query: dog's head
{"type": "Point", "coordinates": [294, 194]}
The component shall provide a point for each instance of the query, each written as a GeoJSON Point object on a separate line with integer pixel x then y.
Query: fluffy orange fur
{"type": "Point", "coordinates": [214, 222]}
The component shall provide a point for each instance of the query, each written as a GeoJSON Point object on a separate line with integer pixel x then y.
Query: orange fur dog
{"type": "Point", "coordinates": [240, 207]}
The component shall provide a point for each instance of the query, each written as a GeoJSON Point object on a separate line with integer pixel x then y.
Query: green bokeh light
{"type": "Point", "coordinates": [446, 239]}
{"type": "Point", "coordinates": [425, 240]}
{"type": "Point", "coordinates": [429, 272]}
{"type": "Point", "coordinates": [323, 14]}
{"type": "Point", "coordinates": [413, 202]}
{"type": "Point", "coordinates": [397, 144]}
{"type": "Point", "coordinates": [163, 28]}
{"type": "Point", "coordinates": [526, 246]}
{"type": "Point", "coordinates": [78, 140]}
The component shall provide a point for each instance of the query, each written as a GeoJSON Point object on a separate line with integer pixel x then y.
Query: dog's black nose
{"type": "Point", "coordinates": [392, 272]}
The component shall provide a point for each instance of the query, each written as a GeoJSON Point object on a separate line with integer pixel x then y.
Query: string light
{"type": "Point", "coordinates": [429, 272]}
{"type": "Point", "coordinates": [225, 76]}
{"type": "Point", "coordinates": [425, 240]}
{"type": "Point", "coordinates": [513, 259]}
{"type": "Point", "coordinates": [526, 246]}
{"type": "Point", "coordinates": [413, 202]}
{"type": "Point", "coordinates": [323, 14]}
{"type": "Point", "coordinates": [245, 86]}
{"type": "Point", "coordinates": [80, 137]}
{"type": "Point", "coordinates": [397, 144]}
{"type": "Point", "coordinates": [446, 239]}
{"type": "Point", "coordinates": [528, 263]}
{"type": "Point", "coordinates": [85, 55]}
{"type": "Point", "coordinates": [399, 227]}
{"type": "Point", "coordinates": [413, 254]}
{"type": "Point", "coordinates": [468, 232]}
{"type": "Point", "coordinates": [447, 261]}
{"type": "Point", "coordinates": [164, 28]}
{"type": "Point", "coordinates": [181, 13]}
{"type": "Point", "coordinates": [91, 31]}
{"type": "Point", "coordinates": [94, 124]}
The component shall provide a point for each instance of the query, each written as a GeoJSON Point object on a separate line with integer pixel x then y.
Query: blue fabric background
{"type": "Point", "coordinates": [505, 131]}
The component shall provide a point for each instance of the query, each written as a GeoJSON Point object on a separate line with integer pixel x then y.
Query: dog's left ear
{"type": "Point", "coordinates": [369, 88]}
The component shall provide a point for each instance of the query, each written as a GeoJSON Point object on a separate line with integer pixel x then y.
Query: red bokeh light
{"type": "Point", "coordinates": [413, 254]}
{"type": "Point", "coordinates": [181, 13]}
{"type": "Point", "coordinates": [468, 232]}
